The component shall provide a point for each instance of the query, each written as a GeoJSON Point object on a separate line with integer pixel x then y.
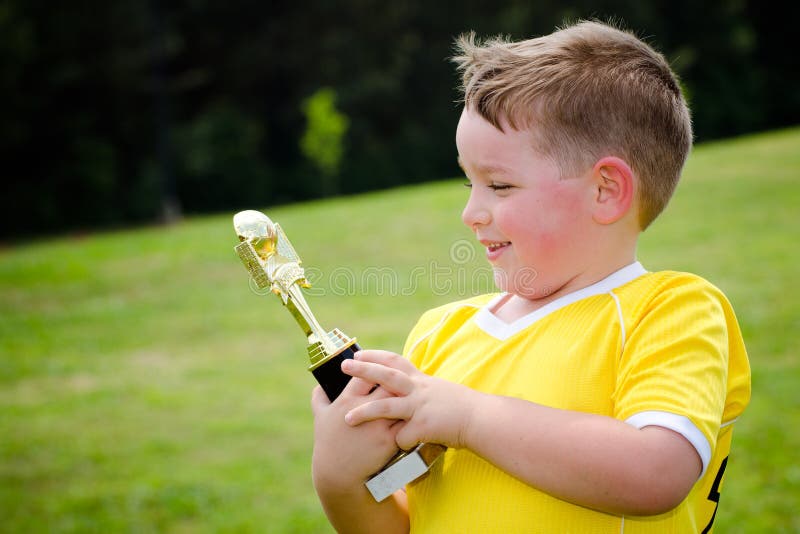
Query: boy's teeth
{"type": "Point", "coordinates": [495, 246]}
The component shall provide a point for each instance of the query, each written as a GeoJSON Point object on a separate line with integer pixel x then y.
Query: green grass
{"type": "Point", "coordinates": [145, 388]}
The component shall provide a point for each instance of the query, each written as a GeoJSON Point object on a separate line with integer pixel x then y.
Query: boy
{"type": "Point", "coordinates": [590, 395]}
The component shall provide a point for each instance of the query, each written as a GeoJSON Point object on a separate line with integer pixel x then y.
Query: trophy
{"type": "Point", "coordinates": [273, 263]}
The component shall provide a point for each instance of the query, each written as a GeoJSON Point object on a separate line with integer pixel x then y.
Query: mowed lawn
{"type": "Point", "coordinates": [144, 387]}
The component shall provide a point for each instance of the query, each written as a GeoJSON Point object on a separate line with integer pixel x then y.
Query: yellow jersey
{"type": "Point", "coordinates": [658, 349]}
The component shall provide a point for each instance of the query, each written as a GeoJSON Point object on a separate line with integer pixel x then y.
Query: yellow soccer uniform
{"type": "Point", "coordinates": [658, 349]}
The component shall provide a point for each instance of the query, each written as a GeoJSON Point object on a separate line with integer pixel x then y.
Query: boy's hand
{"type": "Point", "coordinates": [434, 410]}
{"type": "Point", "coordinates": [345, 456]}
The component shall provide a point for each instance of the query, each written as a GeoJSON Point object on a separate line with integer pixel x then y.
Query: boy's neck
{"type": "Point", "coordinates": [513, 307]}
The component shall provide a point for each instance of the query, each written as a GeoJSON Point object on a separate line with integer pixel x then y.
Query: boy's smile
{"type": "Point", "coordinates": [493, 249]}
{"type": "Point", "coordinates": [534, 224]}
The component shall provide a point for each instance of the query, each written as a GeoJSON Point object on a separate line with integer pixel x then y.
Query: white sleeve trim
{"type": "Point", "coordinates": [677, 423]}
{"type": "Point", "coordinates": [621, 320]}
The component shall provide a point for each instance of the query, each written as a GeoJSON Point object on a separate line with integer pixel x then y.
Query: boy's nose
{"type": "Point", "coordinates": [474, 215]}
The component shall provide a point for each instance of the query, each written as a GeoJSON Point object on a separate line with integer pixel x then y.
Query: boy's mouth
{"type": "Point", "coordinates": [496, 245]}
{"type": "Point", "coordinates": [495, 249]}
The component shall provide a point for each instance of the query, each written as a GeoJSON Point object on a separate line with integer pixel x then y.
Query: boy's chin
{"type": "Point", "coordinates": [523, 284]}
{"type": "Point", "coordinates": [533, 293]}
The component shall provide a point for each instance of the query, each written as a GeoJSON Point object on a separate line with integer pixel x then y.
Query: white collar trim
{"type": "Point", "coordinates": [497, 328]}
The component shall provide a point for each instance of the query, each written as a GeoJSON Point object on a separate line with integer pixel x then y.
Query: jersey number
{"type": "Point", "coordinates": [713, 495]}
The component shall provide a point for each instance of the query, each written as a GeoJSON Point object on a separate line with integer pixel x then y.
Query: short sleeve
{"type": "Point", "coordinates": [418, 337]}
{"type": "Point", "coordinates": [674, 365]}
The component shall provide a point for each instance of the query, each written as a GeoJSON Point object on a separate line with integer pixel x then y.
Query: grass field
{"type": "Point", "coordinates": [145, 388]}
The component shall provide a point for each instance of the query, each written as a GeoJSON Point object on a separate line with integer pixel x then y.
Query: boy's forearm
{"type": "Point", "coordinates": [355, 511]}
{"type": "Point", "coordinates": [591, 460]}
{"type": "Point", "coordinates": [344, 457]}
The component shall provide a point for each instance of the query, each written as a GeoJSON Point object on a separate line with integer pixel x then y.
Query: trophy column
{"type": "Point", "coordinates": [328, 369]}
{"type": "Point", "coordinates": [273, 263]}
{"type": "Point", "coordinates": [330, 375]}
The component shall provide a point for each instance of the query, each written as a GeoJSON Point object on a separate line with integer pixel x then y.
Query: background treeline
{"type": "Point", "coordinates": [130, 111]}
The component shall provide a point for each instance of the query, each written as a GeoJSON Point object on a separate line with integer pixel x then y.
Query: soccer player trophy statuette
{"type": "Point", "coordinates": [273, 263]}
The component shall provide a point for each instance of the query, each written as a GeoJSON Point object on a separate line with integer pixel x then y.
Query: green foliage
{"type": "Point", "coordinates": [145, 388]}
{"type": "Point", "coordinates": [115, 106]}
{"type": "Point", "coordinates": [323, 140]}
{"type": "Point", "coordinates": [219, 162]}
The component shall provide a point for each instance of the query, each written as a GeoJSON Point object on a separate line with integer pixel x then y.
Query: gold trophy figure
{"type": "Point", "coordinates": [273, 263]}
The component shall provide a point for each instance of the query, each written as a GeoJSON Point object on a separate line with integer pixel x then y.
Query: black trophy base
{"type": "Point", "coordinates": [329, 374]}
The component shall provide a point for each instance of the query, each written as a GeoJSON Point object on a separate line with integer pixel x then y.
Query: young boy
{"type": "Point", "coordinates": [590, 395]}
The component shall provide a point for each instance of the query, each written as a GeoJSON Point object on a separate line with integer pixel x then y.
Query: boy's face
{"type": "Point", "coordinates": [533, 224]}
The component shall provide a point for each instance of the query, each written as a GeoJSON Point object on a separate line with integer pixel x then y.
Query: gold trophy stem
{"type": "Point", "coordinates": [298, 307]}
{"type": "Point", "coordinates": [273, 263]}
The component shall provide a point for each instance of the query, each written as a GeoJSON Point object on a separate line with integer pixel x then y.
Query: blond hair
{"type": "Point", "coordinates": [590, 90]}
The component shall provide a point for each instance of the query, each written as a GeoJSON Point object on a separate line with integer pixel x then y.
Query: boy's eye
{"type": "Point", "coordinates": [499, 187]}
{"type": "Point", "coordinates": [493, 186]}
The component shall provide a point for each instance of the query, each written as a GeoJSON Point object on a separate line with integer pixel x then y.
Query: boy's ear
{"type": "Point", "coordinates": [614, 183]}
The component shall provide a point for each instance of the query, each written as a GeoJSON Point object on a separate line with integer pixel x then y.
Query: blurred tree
{"type": "Point", "coordinates": [323, 141]}
{"type": "Point", "coordinates": [115, 109]}
{"type": "Point", "coordinates": [219, 163]}
{"type": "Point", "coordinates": [164, 172]}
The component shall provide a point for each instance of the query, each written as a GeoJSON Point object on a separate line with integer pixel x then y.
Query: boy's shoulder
{"type": "Point", "coordinates": [670, 289]}
{"type": "Point", "coordinates": [472, 303]}
{"type": "Point", "coordinates": [656, 282]}
{"type": "Point", "coordinates": [433, 319]}
{"type": "Point", "coordinates": [437, 315]}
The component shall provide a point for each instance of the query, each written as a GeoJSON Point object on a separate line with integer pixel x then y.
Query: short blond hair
{"type": "Point", "coordinates": [591, 90]}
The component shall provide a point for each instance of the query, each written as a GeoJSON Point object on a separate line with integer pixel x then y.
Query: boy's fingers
{"type": "Point", "coordinates": [384, 357]}
{"type": "Point", "coordinates": [358, 386]}
{"type": "Point", "coordinates": [390, 408]}
{"type": "Point", "coordinates": [395, 381]}
{"type": "Point", "coordinates": [406, 438]}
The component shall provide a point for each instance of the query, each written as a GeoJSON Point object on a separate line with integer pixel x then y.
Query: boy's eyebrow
{"type": "Point", "coordinates": [485, 169]}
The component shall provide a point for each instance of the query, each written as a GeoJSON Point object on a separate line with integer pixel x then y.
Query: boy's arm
{"type": "Point", "coordinates": [591, 460]}
{"type": "Point", "coordinates": [344, 457]}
